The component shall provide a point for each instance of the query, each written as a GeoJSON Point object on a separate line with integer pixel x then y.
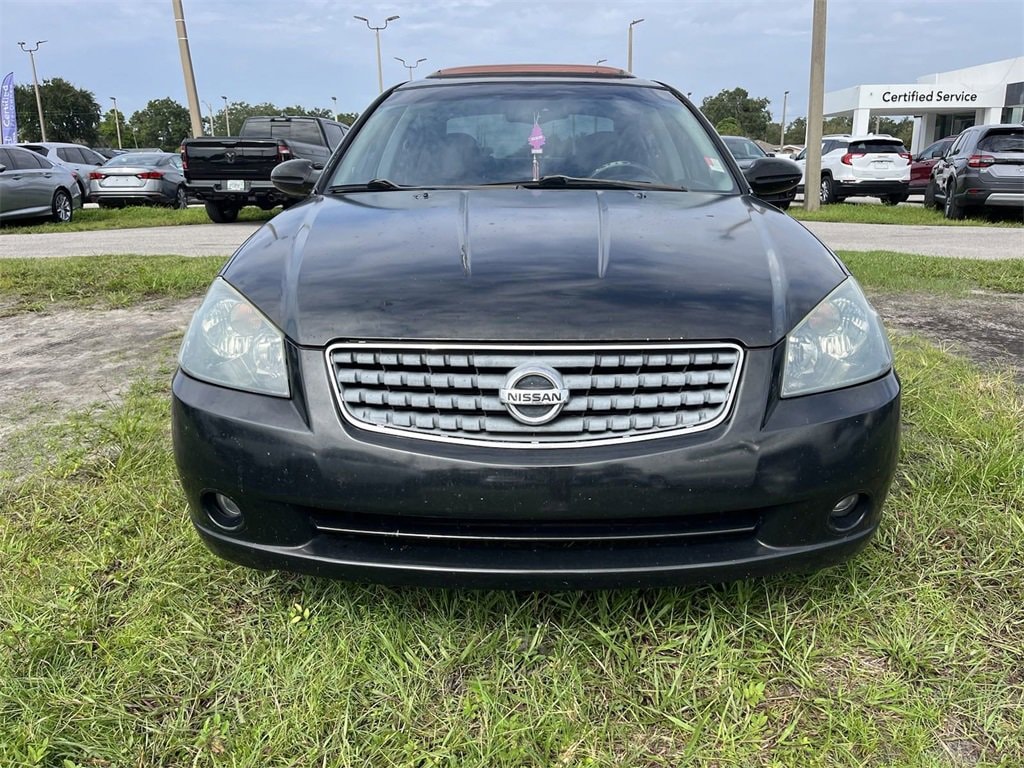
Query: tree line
{"type": "Point", "coordinates": [736, 113]}
{"type": "Point", "coordinates": [72, 114]}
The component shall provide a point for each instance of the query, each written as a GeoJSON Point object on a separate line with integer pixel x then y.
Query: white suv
{"type": "Point", "coordinates": [877, 165]}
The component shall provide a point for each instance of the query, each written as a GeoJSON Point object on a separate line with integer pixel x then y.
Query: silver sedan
{"type": "Point", "coordinates": [33, 187]}
{"type": "Point", "coordinates": [139, 178]}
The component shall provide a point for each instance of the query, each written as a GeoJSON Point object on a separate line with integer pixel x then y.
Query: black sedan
{"type": "Point", "coordinates": [746, 152]}
{"type": "Point", "coordinates": [135, 178]}
{"type": "Point", "coordinates": [532, 328]}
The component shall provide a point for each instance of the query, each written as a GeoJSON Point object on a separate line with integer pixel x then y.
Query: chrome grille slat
{"type": "Point", "coordinates": [616, 392]}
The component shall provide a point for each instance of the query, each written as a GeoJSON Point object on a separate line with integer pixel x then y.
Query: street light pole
{"type": "Point", "coordinates": [380, 67]}
{"type": "Point", "coordinates": [35, 82]}
{"type": "Point", "coordinates": [213, 117]}
{"type": "Point", "coordinates": [117, 121]}
{"type": "Point", "coordinates": [410, 67]}
{"type": "Point", "coordinates": [782, 129]}
{"type": "Point", "coordinates": [227, 119]}
{"type": "Point", "coordinates": [600, 62]}
{"type": "Point", "coordinates": [629, 53]}
{"type": "Point", "coordinates": [334, 100]}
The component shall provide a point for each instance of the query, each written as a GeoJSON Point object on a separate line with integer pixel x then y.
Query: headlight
{"type": "Point", "coordinates": [840, 342]}
{"type": "Point", "coordinates": [230, 342]}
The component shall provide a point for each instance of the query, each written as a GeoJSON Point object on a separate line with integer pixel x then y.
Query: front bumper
{"type": "Point", "coordinates": [750, 497]}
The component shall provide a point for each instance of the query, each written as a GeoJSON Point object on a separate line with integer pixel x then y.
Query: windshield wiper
{"type": "Point", "coordinates": [583, 182]}
{"type": "Point", "coordinates": [373, 185]}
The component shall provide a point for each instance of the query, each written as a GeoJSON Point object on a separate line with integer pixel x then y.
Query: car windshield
{"type": "Point", "coordinates": [135, 158]}
{"type": "Point", "coordinates": [470, 134]}
{"type": "Point", "coordinates": [743, 149]}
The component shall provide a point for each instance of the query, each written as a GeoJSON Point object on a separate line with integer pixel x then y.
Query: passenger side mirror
{"type": "Point", "coordinates": [2, 167]}
{"type": "Point", "coordinates": [772, 175]}
{"type": "Point", "coordinates": [295, 178]}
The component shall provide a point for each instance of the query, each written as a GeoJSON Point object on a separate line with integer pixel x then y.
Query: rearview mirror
{"type": "Point", "coordinates": [296, 178]}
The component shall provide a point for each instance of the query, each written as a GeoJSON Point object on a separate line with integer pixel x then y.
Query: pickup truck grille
{"type": "Point", "coordinates": [615, 393]}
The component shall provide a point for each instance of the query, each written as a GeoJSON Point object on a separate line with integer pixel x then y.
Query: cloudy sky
{"type": "Point", "coordinates": [306, 51]}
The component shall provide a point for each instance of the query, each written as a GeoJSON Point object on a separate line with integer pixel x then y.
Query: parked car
{"type": "Point", "coordinates": [746, 152]}
{"type": "Point", "coordinates": [532, 328]}
{"type": "Point", "coordinates": [230, 172]}
{"type": "Point", "coordinates": [109, 152]}
{"type": "Point", "coordinates": [78, 158]}
{"type": "Point", "coordinates": [876, 165]}
{"type": "Point", "coordinates": [139, 178]}
{"type": "Point", "coordinates": [924, 161]}
{"type": "Point", "coordinates": [32, 187]}
{"type": "Point", "coordinates": [983, 169]}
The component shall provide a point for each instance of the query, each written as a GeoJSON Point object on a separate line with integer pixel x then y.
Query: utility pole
{"type": "Point", "coordinates": [117, 121]}
{"type": "Point", "coordinates": [35, 82]}
{"type": "Point", "coordinates": [782, 129]}
{"type": "Point", "coordinates": [629, 48]}
{"type": "Point", "coordinates": [213, 117]}
{"type": "Point", "coordinates": [815, 108]}
{"type": "Point", "coordinates": [227, 119]}
{"type": "Point", "coordinates": [186, 68]}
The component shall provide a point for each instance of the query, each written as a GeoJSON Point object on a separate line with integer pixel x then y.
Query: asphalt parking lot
{"type": "Point", "coordinates": [223, 239]}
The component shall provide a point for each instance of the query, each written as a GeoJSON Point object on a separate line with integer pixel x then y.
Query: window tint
{"type": "Point", "coordinates": [298, 130]}
{"type": "Point", "coordinates": [743, 149]}
{"type": "Point", "coordinates": [37, 149]}
{"type": "Point", "coordinates": [26, 161]}
{"type": "Point", "coordinates": [958, 143]}
{"type": "Point", "coordinates": [877, 147]}
{"type": "Point", "coordinates": [1008, 140]}
{"type": "Point", "coordinates": [335, 133]}
{"type": "Point", "coordinates": [471, 134]}
{"type": "Point", "coordinates": [92, 157]}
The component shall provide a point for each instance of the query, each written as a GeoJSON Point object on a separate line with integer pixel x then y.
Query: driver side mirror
{"type": "Point", "coordinates": [772, 175]}
{"type": "Point", "coordinates": [296, 178]}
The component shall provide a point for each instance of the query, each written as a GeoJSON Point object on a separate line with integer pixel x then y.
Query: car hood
{"type": "Point", "coordinates": [534, 265]}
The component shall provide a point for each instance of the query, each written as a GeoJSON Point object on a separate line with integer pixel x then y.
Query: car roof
{"type": "Point", "coordinates": [536, 70]}
{"type": "Point", "coordinates": [49, 144]}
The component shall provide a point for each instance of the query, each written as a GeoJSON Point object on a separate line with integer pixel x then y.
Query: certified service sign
{"type": "Point", "coordinates": [534, 394]}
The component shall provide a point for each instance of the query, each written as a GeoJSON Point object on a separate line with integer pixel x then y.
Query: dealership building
{"type": "Point", "coordinates": [942, 104]}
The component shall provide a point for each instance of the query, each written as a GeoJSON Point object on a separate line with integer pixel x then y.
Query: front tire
{"type": "Point", "coordinates": [221, 213]}
{"type": "Point", "coordinates": [61, 210]}
{"type": "Point", "coordinates": [828, 191]}
{"type": "Point", "coordinates": [180, 198]}
{"type": "Point", "coordinates": [953, 209]}
{"type": "Point", "coordinates": [929, 195]}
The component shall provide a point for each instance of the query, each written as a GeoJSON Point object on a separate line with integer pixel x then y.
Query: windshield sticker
{"type": "Point", "coordinates": [714, 164]}
{"type": "Point", "coordinates": [536, 141]}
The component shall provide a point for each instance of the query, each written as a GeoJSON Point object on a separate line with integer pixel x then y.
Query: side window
{"type": "Point", "coordinates": [958, 144]}
{"type": "Point", "coordinates": [93, 158]}
{"type": "Point", "coordinates": [64, 153]}
{"type": "Point", "coordinates": [5, 158]}
{"type": "Point", "coordinates": [25, 161]}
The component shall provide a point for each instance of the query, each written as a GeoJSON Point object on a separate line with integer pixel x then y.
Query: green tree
{"type": "Point", "coordinates": [108, 130]}
{"type": "Point", "coordinates": [796, 131]}
{"type": "Point", "coordinates": [347, 117]}
{"type": "Point", "coordinates": [750, 114]}
{"type": "Point", "coordinates": [71, 114]}
{"type": "Point", "coordinates": [729, 127]}
{"type": "Point", "coordinates": [161, 123]}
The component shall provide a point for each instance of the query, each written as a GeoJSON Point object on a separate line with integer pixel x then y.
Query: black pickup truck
{"type": "Point", "coordinates": [230, 172]}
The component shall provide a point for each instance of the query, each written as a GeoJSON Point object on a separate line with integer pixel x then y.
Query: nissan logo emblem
{"type": "Point", "coordinates": [534, 394]}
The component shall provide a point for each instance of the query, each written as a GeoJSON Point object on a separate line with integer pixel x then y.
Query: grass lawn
{"type": "Point", "coordinates": [89, 219]}
{"type": "Point", "coordinates": [871, 213]}
{"type": "Point", "coordinates": [123, 642]}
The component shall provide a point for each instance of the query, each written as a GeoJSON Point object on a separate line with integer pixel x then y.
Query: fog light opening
{"type": "Point", "coordinates": [847, 513]}
{"type": "Point", "coordinates": [224, 512]}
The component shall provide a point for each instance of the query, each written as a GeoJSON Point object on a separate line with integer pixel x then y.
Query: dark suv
{"type": "Point", "coordinates": [530, 327]}
{"type": "Point", "coordinates": [984, 168]}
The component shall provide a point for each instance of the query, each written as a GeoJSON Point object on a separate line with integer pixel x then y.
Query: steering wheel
{"type": "Point", "coordinates": [624, 170]}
